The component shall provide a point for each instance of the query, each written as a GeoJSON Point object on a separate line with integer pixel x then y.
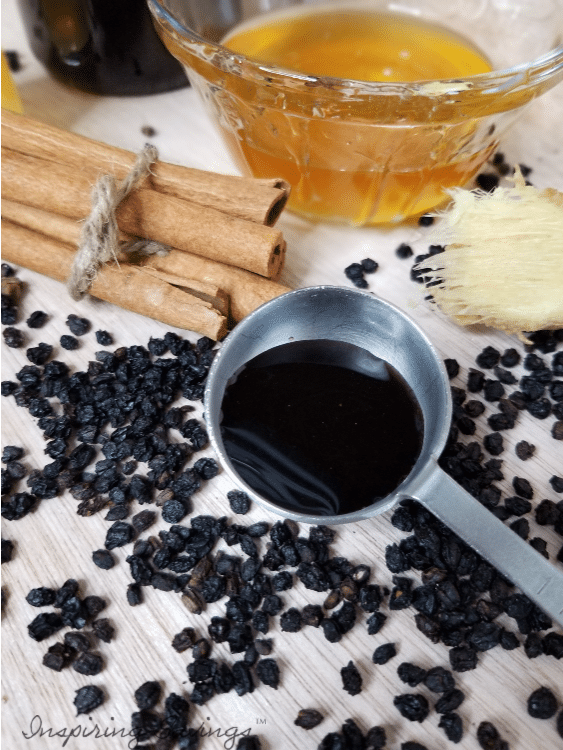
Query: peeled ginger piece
{"type": "Point", "coordinates": [503, 261]}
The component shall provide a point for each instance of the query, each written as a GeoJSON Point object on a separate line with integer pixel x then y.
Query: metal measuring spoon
{"type": "Point", "coordinates": [340, 314]}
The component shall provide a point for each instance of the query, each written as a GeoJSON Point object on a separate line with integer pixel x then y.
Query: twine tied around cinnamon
{"type": "Point", "coordinates": [99, 239]}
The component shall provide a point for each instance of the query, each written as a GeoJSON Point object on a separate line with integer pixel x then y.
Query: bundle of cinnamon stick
{"type": "Point", "coordinates": [224, 257]}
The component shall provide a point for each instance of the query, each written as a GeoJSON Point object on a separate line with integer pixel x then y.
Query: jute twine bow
{"type": "Point", "coordinates": [99, 240]}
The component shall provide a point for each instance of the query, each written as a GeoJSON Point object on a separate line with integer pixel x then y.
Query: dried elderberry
{"type": "Point", "coordinates": [489, 738]}
{"type": "Point", "coordinates": [78, 326]}
{"type": "Point", "coordinates": [103, 629]}
{"type": "Point", "coordinates": [41, 596]}
{"type": "Point", "coordinates": [103, 559]}
{"type": "Point", "coordinates": [104, 338]}
{"type": "Point", "coordinates": [290, 621]}
{"type": "Point", "coordinates": [351, 679]}
{"type": "Point", "coordinates": [145, 724]}
{"type": "Point", "coordinates": [44, 625]}
{"type": "Point", "coordinates": [7, 550]}
{"type": "Point", "coordinates": [412, 706]}
{"type": "Point", "coordinates": [148, 694]}
{"type": "Point", "coordinates": [88, 663]}
{"type": "Point", "coordinates": [268, 672]}
{"type": "Point", "coordinates": [542, 703]}
{"type": "Point", "coordinates": [404, 251]}
{"type": "Point", "coordinates": [70, 343]}
{"type": "Point", "coordinates": [439, 680]}
{"type": "Point", "coordinates": [384, 653]}
{"type": "Point", "coordinates": [176, 712]}
{"type": "Point", "coordinates": [13, 337]}
{"type": "Point", "coordinates": [239, 501]}
{"type": "Point", "coordinates": [308, 718]}
{"type": "Point", "coordinates": [88, 698]}
{"type": "Point", "coordinates": [411, 674]}
{"type": "Point", "coordinates": [248, 742]}
{"type": "Point", "coordinates": [449, 701]}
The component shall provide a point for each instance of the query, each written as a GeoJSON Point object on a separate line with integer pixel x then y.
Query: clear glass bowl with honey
{"type": "Point", "coordinates": [371, 110]}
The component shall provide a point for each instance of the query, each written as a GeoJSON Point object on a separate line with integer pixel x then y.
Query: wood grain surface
{"type": "Point", "coordinates": [54, 543]}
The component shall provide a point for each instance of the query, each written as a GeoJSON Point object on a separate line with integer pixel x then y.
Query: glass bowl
{"type": "Point", "coordinates": [365, 152]}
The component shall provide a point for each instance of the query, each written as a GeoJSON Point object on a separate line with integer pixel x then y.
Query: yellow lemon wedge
{"type": "Point", "coordinates": [10, 97]}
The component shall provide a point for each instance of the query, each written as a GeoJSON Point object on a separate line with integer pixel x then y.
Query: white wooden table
{"type": "Point", "coordinates": [54, 543]}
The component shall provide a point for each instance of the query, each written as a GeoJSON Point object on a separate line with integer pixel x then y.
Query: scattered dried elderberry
{"type": "Point", "coordinates": [355, 272]}
{"type": "Point", "coordinates": [375, 622]}
{"type": "Point", "coordinates": [147, 695]}
{"type": "Point", "coordinates": [452, 367]}
{"type": "Point", "coordinates": [242, 678]}
{"type": "Point", "coordinates": [37, 319]}
{"type": "Point", "coordinates": [238, 501]}
{"type": "Point", "coordinates": [487, 181]}
{"type": "Point", "coordinates": [268, 672]}
{"type": "Point", "coordinates": [426, 220]}
{"type": "Point", "coordinates": [439, 680]}
{"type": "Point", "coordinates": [58, 656]}
{"type": "Point", "coordinates": [88, 663]}
{"type": "Point", "coordinates": [494, 443]}
{"type": "Point", "coordinates": [369, 265]}
{"type": "Point", "coordinates": [78, 326]}
{"type": "Point", "coordinates": [308, 718]}
{"type": "Point", "coordinates": [524, 450]}
{"type": "Point", "coordinates": [489, 738]}
{"type": "Point", "coordinates": [290, 621]}
{"type": "Point", "coordinates": [7, 550]}
{"type": "Point", "coordinates": [411, 674]}
{"type": "Point", "coordinates": [248, 742]}
{"type": "Point", "coordinates": [134, 595]}
{"type": "Point", "coordinates": [351, 679]}
{"type": "Point", "coordinates": [463, 658]}
{"type": "Point", "coordinates": [13, 337]}
{"type": "Point", "coordinates": [488, 357]}
{"type": "Point", "coordinates": [45, 625]}
{"type": "Point", "coordinates": [104, 338]}
{"type": "Point", "coordinates": [145, 724]}
{"type": "Point", "coordinates": [88, 698]}
{"type": "Point", "coordinates": [493, 390]}
{"type": "Point", "coordinates": [103, 629]}
{"type": "Point", "coordinates": [404, 251]}
{"type": "Point", "coordinates": [452, 725]}
{"type": "Point", "coordinates": [119, 534]}
{"type": "Point", "coordinates": [41, 596]}
{"type": "Point", "coordinates": [542, 703]}
{"type": "Point", "coordinates": [412, 706]}
{"type": "Point", "coordinates": [384, 653]}
{"type": "Point", "coordinates": [69, 342]}
{"type": "Point", "coordinates": [103, 559]}
{"type": "Point", "coordinates": [449, 701]}
{"type": "Point", "coordinates": [559, 723]}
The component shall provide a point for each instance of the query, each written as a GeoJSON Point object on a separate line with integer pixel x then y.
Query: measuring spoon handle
{"type": "Point", "coordinates": [513, 557]}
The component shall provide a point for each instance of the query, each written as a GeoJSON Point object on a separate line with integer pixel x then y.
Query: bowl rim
{"type": "Point", "coordinates": [538, 70]}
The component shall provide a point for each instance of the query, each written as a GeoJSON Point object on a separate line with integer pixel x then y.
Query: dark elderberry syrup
{"type": "Point", "coordinates": [105, 47]}
{"type": "Point", "coordinates": [321, 427]}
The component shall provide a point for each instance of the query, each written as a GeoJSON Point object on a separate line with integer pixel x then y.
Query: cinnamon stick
{"type": "Point", "coordinates": [146, 213]}
{"type": "Point", "coordinates": [246, 290]}
{"type": "Point", "coordinates": [125, 286]}
{"type": "Point", "coordinates": [247, 198]}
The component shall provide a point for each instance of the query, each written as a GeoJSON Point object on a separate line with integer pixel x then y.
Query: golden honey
{"type": "Point", "coordinates": [357, 44]}
{"type": "Point", "coordinates": [351, 154]}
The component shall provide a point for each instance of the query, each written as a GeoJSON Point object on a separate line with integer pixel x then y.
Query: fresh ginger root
{"type": "Point", "coordinates": [503, 259]}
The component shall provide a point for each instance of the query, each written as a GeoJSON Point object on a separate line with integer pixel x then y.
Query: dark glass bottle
{"type": "Point", "coordinates": [101, 46]}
